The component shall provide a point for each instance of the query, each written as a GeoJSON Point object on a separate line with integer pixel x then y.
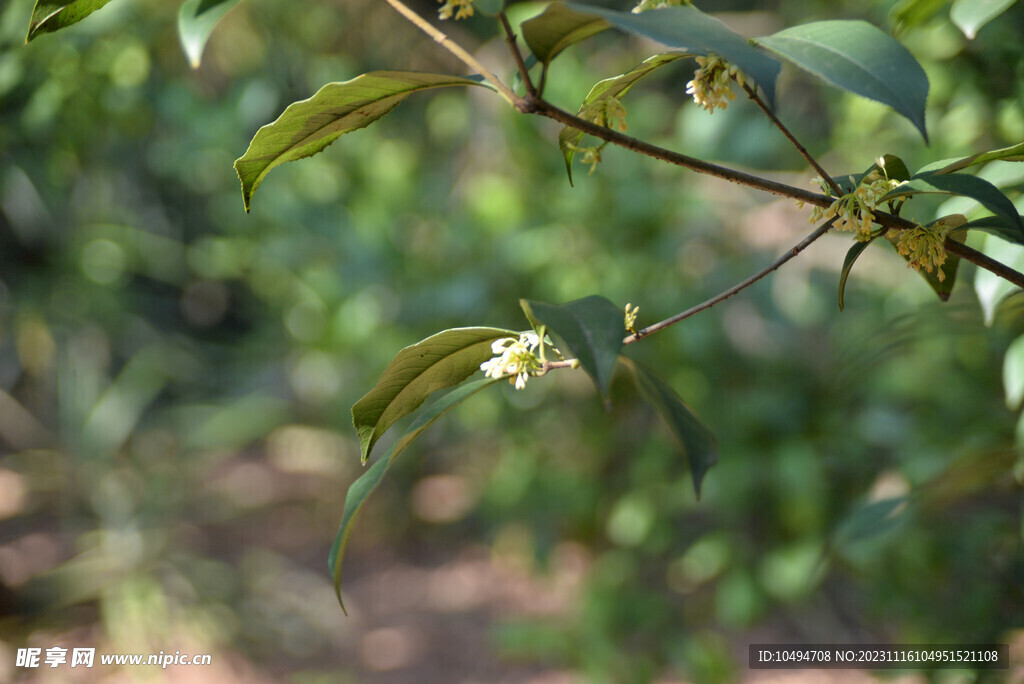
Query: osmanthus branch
{"type": "Point", "coordinates": [752, 94]}
{"type": "Point", "coordinates": [735, 289]}
{"type": "Point", "coordinates": [533, 103]}
{"type": "Point", "coordinates": [457, 50]}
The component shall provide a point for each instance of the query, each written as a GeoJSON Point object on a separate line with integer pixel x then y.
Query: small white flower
{"type": "Point", "coordinates": [514, 358]}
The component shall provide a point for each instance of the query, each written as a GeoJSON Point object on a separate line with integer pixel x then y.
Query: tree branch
{"type": "Point", "coordinates": [456, 49]}
{"type": "Point", "coordinates": [792, 139]}
{"type": "Point", "coordinates": [517, 56]}
{"type": "Point", "coordinates": [735, 289]}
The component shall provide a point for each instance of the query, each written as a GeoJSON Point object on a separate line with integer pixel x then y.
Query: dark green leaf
{"type": "Point", "coordinates": [971, 15]}
{"type": "Point", "coordinates": [698, 442]}
{"type": "Point", "coordinates": [416, 372]}
{"type": "Point", "coordinates": [687, 28]}
{"type": "Point", "coordinates": [979, 189]}
{"type": "Point", "coordinates": [558, 27]}
{"type": "Point", "coordinates": [617, 86]}
{"type": "Point", "coordinates": [870, 520]}
{"type": "Point", "coordinates": [307, 127]}
{"type": "Point", "coordinates": [893, 167]}
{"type": "Point", "coordinates": [592, 330]}
{"type": "Point", "coordinates": [48, 15]}
{"type": "Point", "coordinates": [856, 56]}
{"type": "Point", "coordinates": [489, 7]}
{"type": "Point", "coordinates": [1013, 153]}
{"type": "Point", "coordinates": [851, 256]}
{"type": "Point", "coordinates": [360, 490]}
{"type": "Point", "coordinates": [995, 226]}
{"type": "Point", "coordinates": [196, 21]}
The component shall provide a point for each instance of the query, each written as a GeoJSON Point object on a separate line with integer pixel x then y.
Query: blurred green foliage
{"type": "Point", "coordinates": [176, 375]}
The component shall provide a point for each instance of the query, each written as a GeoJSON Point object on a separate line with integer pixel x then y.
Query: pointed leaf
{"type": "Point", "coordinates": [995, 226]}
{"type": "Point", "coordinates": [1013, 153]}
{"type": "Point", "coordinates": [592, 329]}
{"type": "Point", "coordinates": [851, 256]}
{"type": "Point", "coordinates": [51, 15]}
{"type": "Point", "coordinates": [416, 372]}
{"type": "Point", "coordinates": [971, 15]}
{"type": "Point", "coordinates": [307, 127]}
{"type": "Point", "coordinates": [856, 56]}
{"type": "Point", "coordinates": [979, 189]}
{"type": "Point", "coordinates": [698, 442]}
{"type": "Point", "coordinates": [893, 167]}
{"type": "Point", "coordinates": [196, 21]}
{"type": "Point", "coordinates": [360, 490]}
{"type": "Point", "coordinates": [617, 86]}
{"type": "Point", "coordinates": [990, 288]}
{"type": "Point", "coordinates": [687, 28]}
{"type": "Point", "coordinates": [558, 27]}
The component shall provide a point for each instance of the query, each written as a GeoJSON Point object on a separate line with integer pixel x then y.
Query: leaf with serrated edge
{"type": "Point", "coordinates": [617, 86]}
{"type": "Point", "coordinates": [979, 189]}
{"type": "Point", "coordinates": [196, 21]}
{"type": "Point", "coordinates": [698, 442]}
{"type": "Point", "coordinates": [1014, 153]}
{"type": "Point", "coordinates": [308, 126]}
{"type": "Point", "coordinates": [860, 58]}
{"type": "Point", "coordinates": [558, 27]}
{"type": "Point", "coordinates": [416, 372]}
{"type": "Point", "coordinates": [971, 15]}
{"type": "Point", "coordinates": [592, 329]}
{"type": "Point", "coordinates": [360, 490]}
{"type": "Point", "coordinates": [687, 28]}
{"type": "Point", "coordinates": [50, 16]}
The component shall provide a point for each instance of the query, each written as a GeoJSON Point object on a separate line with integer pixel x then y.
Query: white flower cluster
{"type": "Point", "coordinates": [855, 211]}
{"type": "Point", "coordinates": [711, 86]}
{"type": "Point", "coordinates": [462, 9]}
{"type": "Point", "coordinates": [514, 358]}
{"type": "Point", "coordinates": [658, 4]}
{"type": "Point", "coordinates": [606, 111]}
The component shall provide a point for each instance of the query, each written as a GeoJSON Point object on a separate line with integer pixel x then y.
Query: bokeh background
{"type": "Point", "coordinates": [176, 375]}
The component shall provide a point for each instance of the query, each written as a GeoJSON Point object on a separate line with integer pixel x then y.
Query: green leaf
{"type": "Point", "coordinates": [687, 28]}
{"type": "Point", "coordinates": [698, 442]}
{"type": "Point", "coordinates": [893, 167]}
{"type": "Point", "coordinates": [856, 56]}
{"type": "Point", "coordinates": [489, 7]}
{"type": "Point", "coordinates": [558, 27]}
{"type": "Point", "coordinates": [416, 372]}
{"type": "Point", "coordinates": [971, 15]}
{"type": "Point", "coordinates": [617, 86]}
{"type": "Point", "coordinates": [48, 15]}
{"type": "Point", "coordinates": [592, 330]}
{"type": "Point", "coordinates": [196, 21]}
{"type": "Point", "coordinates": [1013, 374]}
{"type": "Point", "coordinates": [1013, 153]}
{"type": "Point", "coordinates": [990, 288]}
{"type": "Point", "coordinates": [995, 226]}
{"type": "Point", "coordinates": [307, 127]}
{"type": "Point", "coordinates": [978, 189]}
{"type": "Point", "coordinates": [851, 256]}
{"type": "Point", "coordinates": [870, 520]}
{"type": "Point", "coordinates": [360, 490]}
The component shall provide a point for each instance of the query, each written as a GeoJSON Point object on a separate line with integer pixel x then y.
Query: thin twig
{"type": "Point", "coordinates": [735, 289]}
{"type": "Point", "coordinates": [524, 73]}
{"type": "Point", "coordinates": [792, 139]}
{"type": "Point", "coordinates": [454, 48]}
